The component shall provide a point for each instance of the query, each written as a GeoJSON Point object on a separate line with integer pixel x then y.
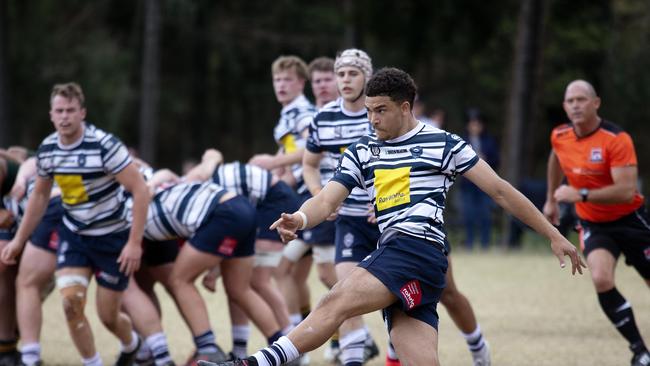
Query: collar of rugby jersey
{"type": "Point", "coordinates": [418, 127]}
{"type": "Point", "coordinates": [298, 101]}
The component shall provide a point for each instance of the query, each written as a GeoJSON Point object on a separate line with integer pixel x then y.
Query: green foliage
{"type": "Point", "coordinates": [216, 56]}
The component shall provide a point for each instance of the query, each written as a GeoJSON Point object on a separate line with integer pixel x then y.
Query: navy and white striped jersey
{"type": "Point", "coordinates": [408, 177]}
{"type": "Point", "coordinates": [85, 171]}
{"type": "Point", "coordinates": [178, 211]}
{"type": "Point", "coordinates": [288, 133]}
{"type": "Point", "coordinates": [246, 180]}
{"type": "Point", "coordinates": [332, 130]}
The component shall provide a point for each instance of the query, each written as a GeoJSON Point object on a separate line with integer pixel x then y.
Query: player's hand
{"type": "Point", "coordinates": [129, 259]}
{"type": "Point", "coordinates": [561, 248]}
{"type": "Point", "coordinates": [552, 212]}
{"type": "Point", "coordinates": [209, 282]}
{"type": "Point", "coordinates": [264, 161]}
{"type": "Point", "coordinates": [212, 154]}
{"type": "Point", "coordinates": [10, 252]}
{"type": "Point", "coordinates": [287, 226]}
{"type": "Point", "coordinates": [566, 193]}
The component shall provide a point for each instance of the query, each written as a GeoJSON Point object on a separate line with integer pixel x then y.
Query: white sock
{"type": "Point", "coordinates": [93, 361]}
{"type": "Point", "coordinates": [128, 348]}
{"type": "Point", "coordinates": [390, 351]}
{"type": "Point", "coordinates": [474, 340]}
{"type": "Point", "coordinates": [157, 343]}
{"type": "Point", "coordinates": [295, 318]}
{"type": "Point", "coordinates": [240, 336]}
{"type": "Point", "coordinates": [352, 345]}
{"type": "Point", "coordinates": [272, 355]}
{"type": "Point", "coordinates": [288, 329]}
{"type": "Point", "coordinates": [30, 353]}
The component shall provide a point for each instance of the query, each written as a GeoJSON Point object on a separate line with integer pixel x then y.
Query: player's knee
{"type": "Point", "coordinates": [602, 280]}
{"type": "Point", "coordinates": [73, 292]}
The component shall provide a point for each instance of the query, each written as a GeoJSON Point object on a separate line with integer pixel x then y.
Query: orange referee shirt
{"type": "Point", "coordinates": [587, 162]}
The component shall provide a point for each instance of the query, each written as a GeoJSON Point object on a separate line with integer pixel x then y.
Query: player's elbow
{"type": "Point", "coordinates": [628, 195]}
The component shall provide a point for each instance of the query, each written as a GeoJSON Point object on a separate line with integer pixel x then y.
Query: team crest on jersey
{"type": "Point", "coordinates": [81, 160]}
{"type": "Point", "coordinates": [596, 155]}
{"type": "Point", "coordinates": [416, 151]}
{"type": "Point", "coordinates": [374, 150]}
{"type": "Point", "coordinates": [348, 239]}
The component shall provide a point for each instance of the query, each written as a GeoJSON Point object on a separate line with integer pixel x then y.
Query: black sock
{"type": "Point", "coordinates": [8, 346]}
{"type": "Point", "coordinates": [619, 312]}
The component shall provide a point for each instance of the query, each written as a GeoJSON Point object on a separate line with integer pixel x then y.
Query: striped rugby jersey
{"type": "Point", "coordinates": [294, 120]}
{"type": "Point", "coordinates": [246, 180]}
{"type": "Point", "coordinates": [178, 211]}
{"type": "Point", "coordinates": [85, 171]}
{"type": "Point", "coordinates": [408, 178]}
{"type": "Point", "coordinates": [332, 130]}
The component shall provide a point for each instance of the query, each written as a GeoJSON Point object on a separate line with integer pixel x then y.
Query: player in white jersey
{"type": "Point", "coordinates": [337, 125]}
{"type": "Point", "coordinates": [270, 196]}
{"type": "Point", "coordinates": [289, 77]}
{"type": "Point", "coordinates": [90, 166]}
{"type": "Point", "coordinates": [406, 170]}
{"type": "Point", "coordinates": [8, 339]}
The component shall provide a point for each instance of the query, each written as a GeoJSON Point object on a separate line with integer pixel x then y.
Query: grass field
{"type": "Point", "coordinates": [531, 312]}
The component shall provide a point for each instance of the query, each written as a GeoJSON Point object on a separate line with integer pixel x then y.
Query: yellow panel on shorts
{"type": "Point", "coordinates": [289, 143]}
{"type": "Point", "coordinates": [72, 188]}
{"type": "Point", "coordinates": [392, 187]}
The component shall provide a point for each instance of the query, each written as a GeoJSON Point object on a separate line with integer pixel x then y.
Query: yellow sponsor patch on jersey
{"type": "Point", "coordinates": [72, 187]}
{"type": "Point", "coordinates": [289, 143]}
{"type": "Point", "coordinates": [343, 148]}
{"type": "Point", "coordinates": [392, 187]}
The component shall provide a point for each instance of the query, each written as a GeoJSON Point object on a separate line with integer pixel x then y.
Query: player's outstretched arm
{"type": "Point", "coordinates": [314, 211]}
{"type": "Point", "coordinates": [204, 171]}
{"type": "Point", "coordinates": [36, 206]}
{"type": "Point", "coordinates": [133, 182]}
{"type": "Point", "coordinates": [517, 204]}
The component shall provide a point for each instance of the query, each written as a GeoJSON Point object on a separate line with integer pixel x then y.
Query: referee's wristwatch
{"type": "Point", "coordinates": [584, 192]}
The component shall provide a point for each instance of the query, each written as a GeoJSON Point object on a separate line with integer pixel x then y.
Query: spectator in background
{"type": "Point", "coordinates": [420, 111]}
{"type": "Point", "coordinates": [476, 205]}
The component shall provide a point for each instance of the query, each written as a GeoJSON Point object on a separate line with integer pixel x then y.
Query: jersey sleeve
{"type": "Point", "coordinates": [115, 156]}
{"type": "Point", "coordinates": [458, 156]}
{"type": "Point", "coordinates": [348, 173]}
{"type": "Point", "coordinates": [313, 141]}
{"type": "Point", "coordinates": [621, 151]}
{"type": "Point", "coordinates": [44, 170]}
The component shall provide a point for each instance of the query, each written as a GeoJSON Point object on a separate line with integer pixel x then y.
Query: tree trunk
{"type": "Point", "coordinates": [150, 97]}
{"type": "Point", "coordinates": [5, 135]}
{"type": "Point", "coordinates": [528, 51]}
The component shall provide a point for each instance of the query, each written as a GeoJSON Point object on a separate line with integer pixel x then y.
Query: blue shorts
{"type": "Point", "coordinates": [8, 234]}
{"type": "Point", "coordinates": [413, 269]}
{"type": "Point", "coordinates": [157, 253]}
{"type": "Point", "coordinates": [46, 234]}
{"type": "Point", "coordinates": [229, 231]}
{"type": "Point", "coordinates": [322, 234]}
{"type": "Point", "coordinates": [280, 198]}
{"type": "Point", "coordinates": [100, 253]}
{"type": "Point", "coordinates": [356, 238]}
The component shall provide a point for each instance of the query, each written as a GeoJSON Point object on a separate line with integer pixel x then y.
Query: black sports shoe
{"type": "Point", "coordinates": [128, 358]}
{"type": "Point", "coordinates": [11, 358]}
{"type": "Point", "coordinates": [212, 357]}
{"type": "Point", "coordinates": [641, 359]}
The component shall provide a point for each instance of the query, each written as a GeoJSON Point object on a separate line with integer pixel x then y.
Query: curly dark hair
{"type": "Point", "coordinates": [393, 83]}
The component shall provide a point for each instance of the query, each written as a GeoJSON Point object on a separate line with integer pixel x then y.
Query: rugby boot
{"type": "Point", "coordinates": [482, 356]}
{"type": "Point", "coordinates": [128, 358]}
